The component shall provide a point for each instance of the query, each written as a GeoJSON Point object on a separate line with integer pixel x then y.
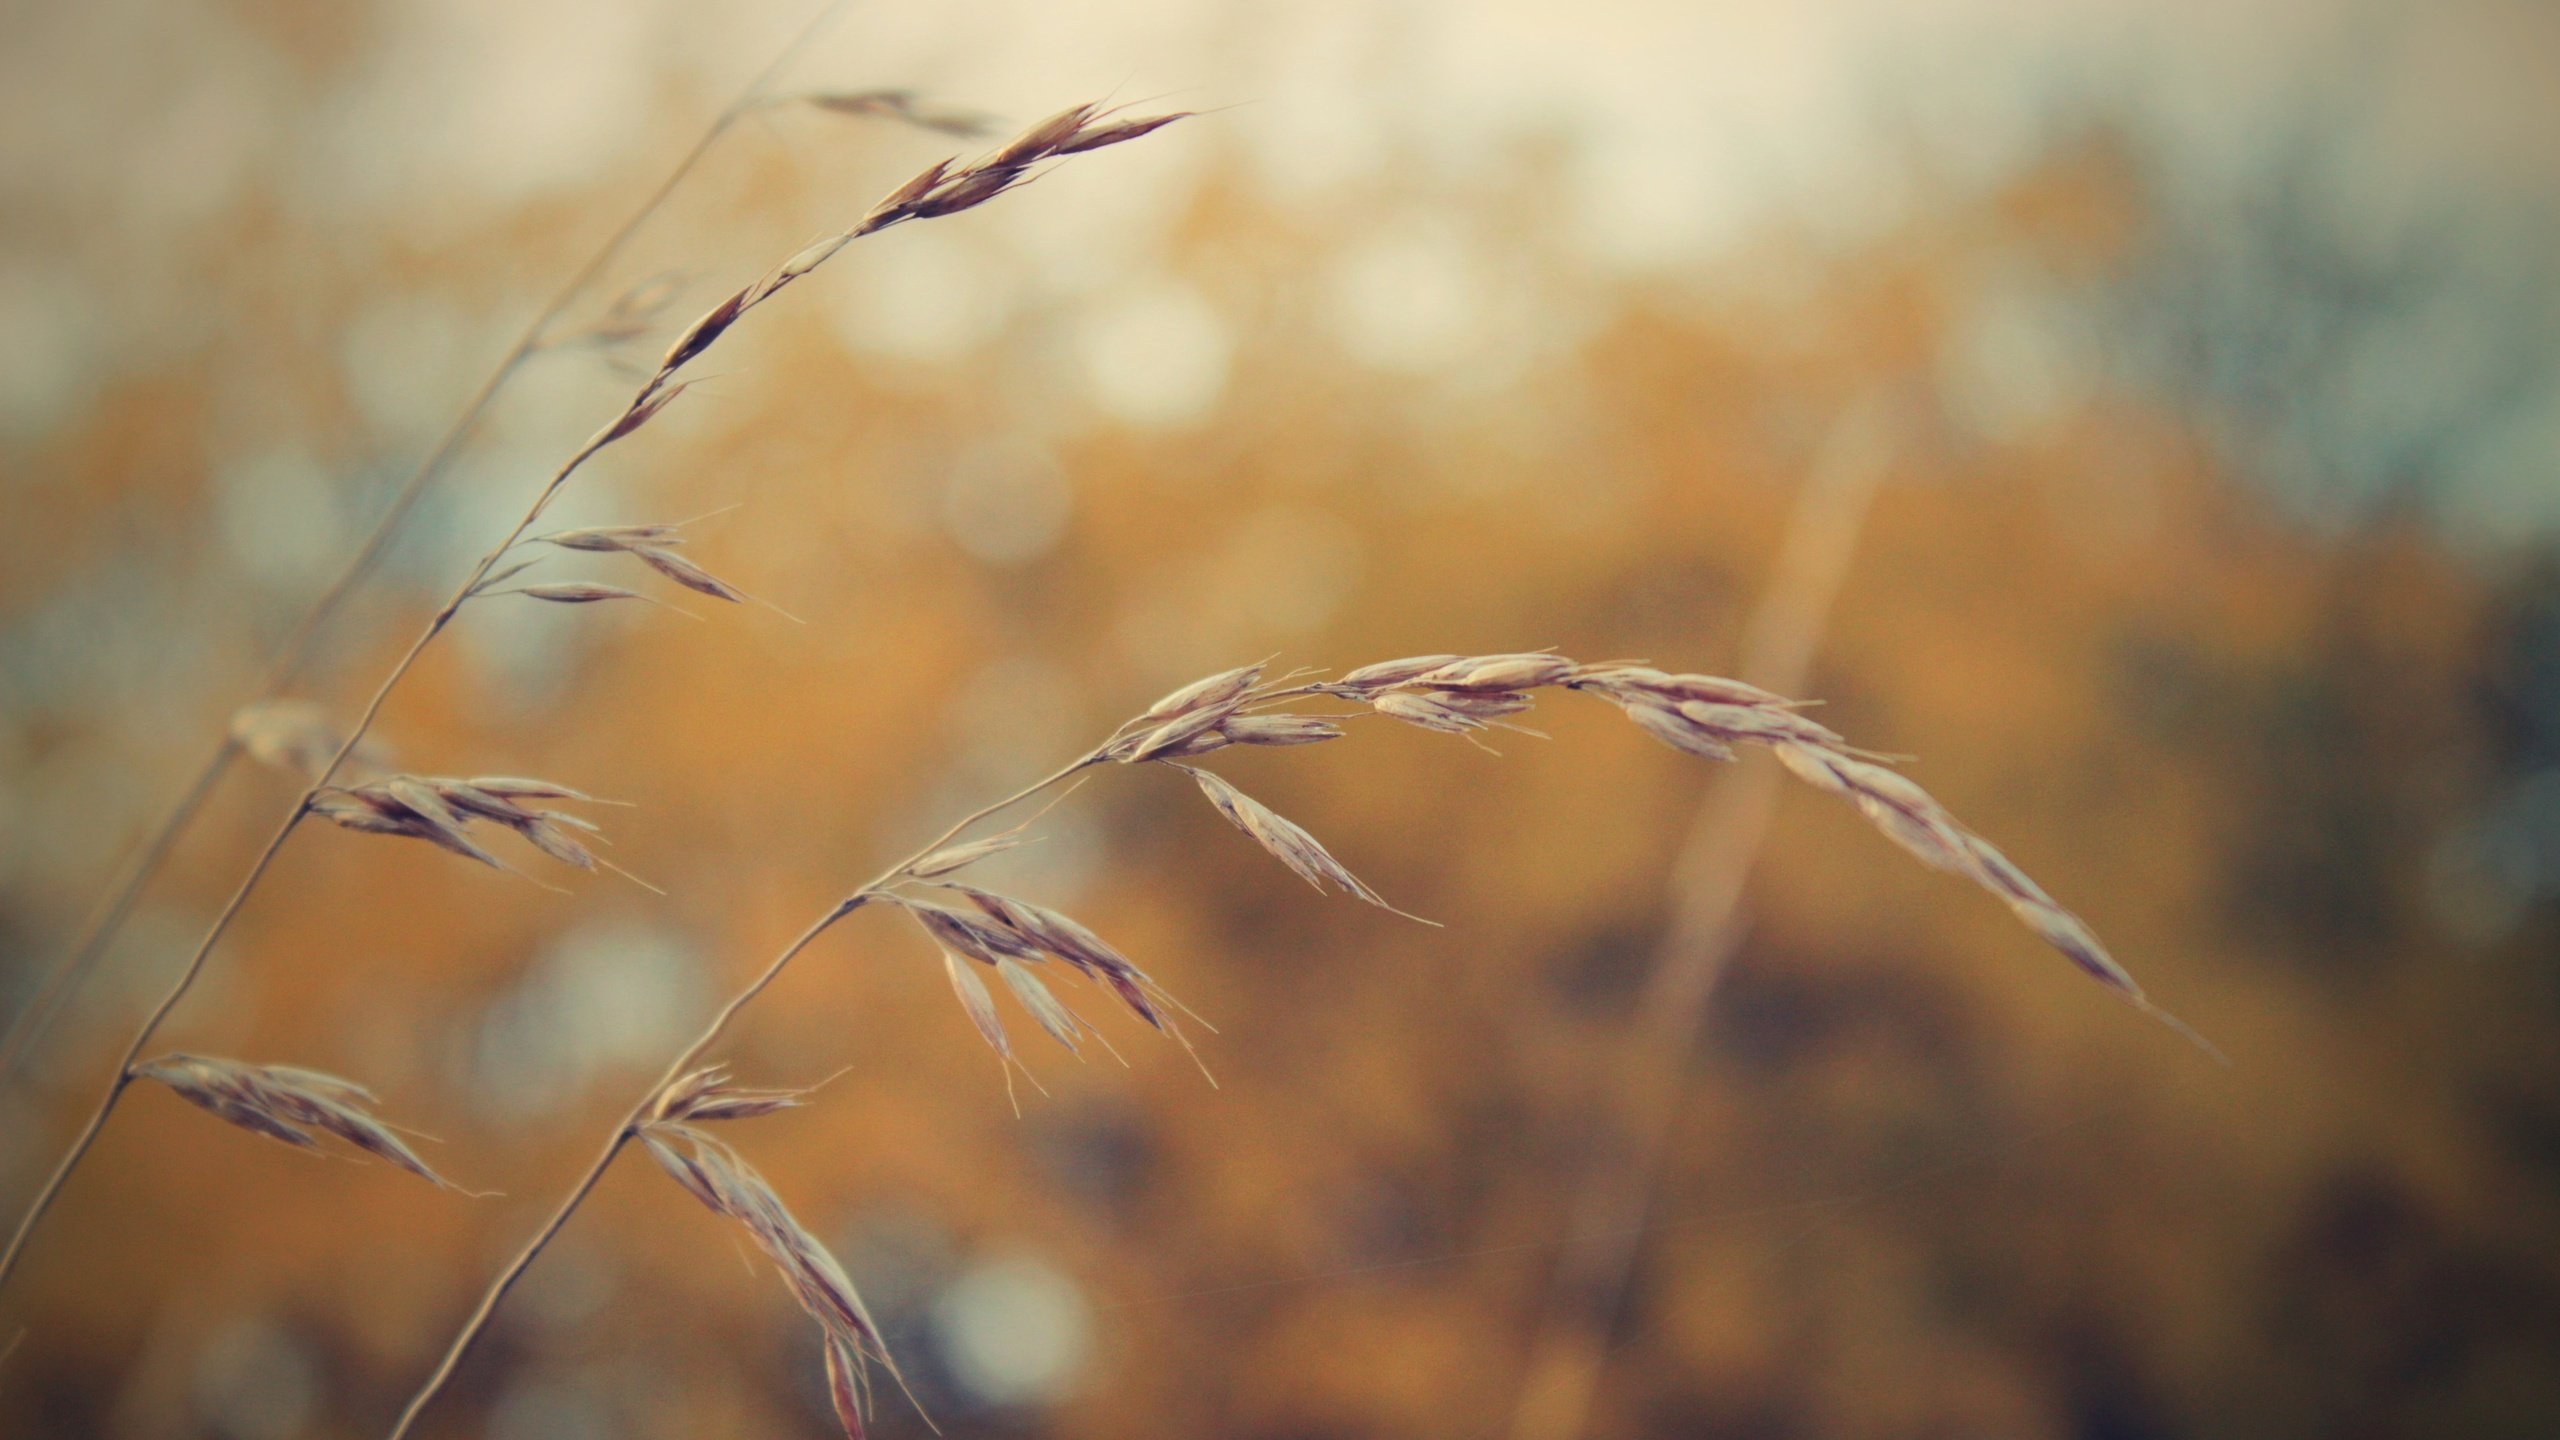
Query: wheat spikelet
{"type": "Point", "coordinates": [284, 1102]}
{"type": "Point", "coordinates": [729, 1187]}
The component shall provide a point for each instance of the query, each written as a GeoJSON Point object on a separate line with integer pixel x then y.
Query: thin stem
{"type": "Point", "coordinates": [684, 1061]}
{"type": "Point", "coordinates": [88, 1136]}
{"type": "Point", "coordinates": [301, 646]}
{"type": "Point", "coordinates": [650, 395]}
{"type": "Point", "coordinates": [1560, 1377]}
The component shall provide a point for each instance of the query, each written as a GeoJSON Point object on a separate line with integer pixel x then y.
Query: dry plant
{"type": "Point", "coordinates": [1033, 952]}
{"type": "Point", "coordinates": [286, 1103]}
{"type": "Point", "coordinates": [294, 735]}
{"type": "Point", "coordinates": [978, 932]}
{"type": "Point", "coordinates": [444, 812]}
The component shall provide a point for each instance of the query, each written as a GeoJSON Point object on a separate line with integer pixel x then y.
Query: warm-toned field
{"type": "Point", "coordinates": [1704, 1111]}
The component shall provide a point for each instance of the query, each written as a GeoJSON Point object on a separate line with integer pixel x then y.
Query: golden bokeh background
{"type": "Point", "coordinates": [2205, 366]}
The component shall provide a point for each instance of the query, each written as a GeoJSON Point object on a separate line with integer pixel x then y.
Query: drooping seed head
{"type": "Point", "coordinates": [1286, 841]}
{"type": "Point", "coordinates": [687, 574]}
{"type": "Point", "coordinates": [1278, 729]}
{"type": "Point", "coordinates": [1064, 939]}
{"type": "Point", "coordinates": [975, 1000]}
{"type": "Point", "coordinates": [729, 1187]}
{"type": "Point", "coordinates": [985, 940]}
{"type": "Point", "coordinates": [286, 1103]}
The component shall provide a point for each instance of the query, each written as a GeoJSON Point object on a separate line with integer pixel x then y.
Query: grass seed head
{"type": "Point", "coordinates": [286, 1103]}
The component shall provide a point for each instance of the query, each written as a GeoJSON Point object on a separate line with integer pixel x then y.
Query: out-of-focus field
{"type": "Point", "coordinates": [2176, 588]}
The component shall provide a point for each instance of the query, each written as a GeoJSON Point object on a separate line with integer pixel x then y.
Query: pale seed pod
{"type": "Point", "coordinates": [575, 592]}
{"type": "Point", "coordinates": [1278, 729]}
{"type": "Point", "coordinates": [1426, 711]}
{"type": "Point", "coordinates": [286, 1103]}
{"type": "Point", "coordinates": [606, 539]}
{"type": "Point", "coordinates": [1210, 693]}
{"type": "Point", "coordinates": [1486, 705]}
{"type": "Point", "coordinates": [1500, 672]}
{"type": "Point", "coordinates": [985, 941]}
{"type": "Point", "coordinates": [731, 1188]}
{"type": "Point", "coordinates": [1763, 723]}
{"type": "Point", "coordinates": [707, 1095]}
{"type": "Point", "coordinates": [687, 574]}
{"type": "Point", "coordinates": [958, 857]}
{"type": "Point", "coordinates": [1116, 133]}
{"type": "Point", "coordinates": [846, 1389]}
{"type": "Point", "coordinates": [1286, 841]}
{"type": "Point", "coordinates": [1062, 938]}
{"type": "Point", "coordinates": [699, 336]}
{"type": "Point", "coordinates": [518, 787]}
{"type": "Point", "coordinates": [894, 206]}
{"type": "Point", "coordinates": [640, 413]}
{"type": "Point", "coordinates": [1051, 1014]}
{"type": "Point", "coordinates": [1180, 732]}
{"type": "Point", "coordinates": [965, 191]}
{"type": "Point", "coordinates": [1394, 672]}
{"type": "Point", "coordinates": [974, 999]}
{"type": "Point", "coordinates": [1042, 140]}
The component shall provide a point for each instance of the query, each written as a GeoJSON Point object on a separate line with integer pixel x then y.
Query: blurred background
{"type": "Point", "coordinates": [2145, 415]}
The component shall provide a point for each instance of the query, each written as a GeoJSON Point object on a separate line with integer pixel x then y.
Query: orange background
{"type": "Point", "coordinates": [1160, 413]}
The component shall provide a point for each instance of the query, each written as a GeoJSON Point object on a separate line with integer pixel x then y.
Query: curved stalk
{"type": "Point", "coordinates": [652, 396]}
{"type": "Point", "coordinates": [506, 1279]}
{"type": "Point", "coordinates": [301, 646]}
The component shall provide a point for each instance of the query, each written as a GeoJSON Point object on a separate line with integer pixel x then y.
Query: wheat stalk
{"type": "Point", "coordinates": [436, 811]}
{"type": "Point", "coordinates": [1016, 939]}
{"type": "Point", "coordinates": [247, 734]}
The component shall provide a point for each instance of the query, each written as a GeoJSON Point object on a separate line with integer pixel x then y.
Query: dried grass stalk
{"type": "Point", "coordinates": [1014, 937]}
{"type": "Point", "coordinates": [633, 311]}
{"type": "Point", "coordinates": [442, 812]}
{"type": "Point", "coordinates": [944, 188]}
{"type": "Point", "coordinates": [1704, 715]}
